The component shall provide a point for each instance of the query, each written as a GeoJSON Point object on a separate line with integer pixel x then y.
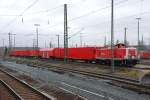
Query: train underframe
{"type": "Point", "coordinates": [125, 62]}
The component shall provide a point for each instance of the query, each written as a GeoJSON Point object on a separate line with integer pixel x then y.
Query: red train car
{"type": "Point", "coordinates": [58, 53]}
{"type": "Point", "coordinates": [46, 53]}
{"type": "Point", "coordinates": [21, 53]}
{"type": "Point", "coordinates": [145, 54]}
{"type": "Point", "coordinates": [12, 53]}
{"type": "Point", "coordinates": [122, 55]}
{"type": "Point", "coordinates": [82, 53]}
{"type": "Point", "coordinates": [24, 53]}
{"type": "Point", "coordinates": [32, 53]}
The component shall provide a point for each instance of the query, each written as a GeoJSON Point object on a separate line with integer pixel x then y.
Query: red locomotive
{"type": "Point", "coordinates": [122, 55]}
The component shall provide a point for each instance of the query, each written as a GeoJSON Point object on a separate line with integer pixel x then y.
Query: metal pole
{"type": "Point", "coordinates": [37, 36]}
{"type": "Point", "coordinates": [50, 44]}
{"type": "Point", "coordinates": [142, 41]}
{"type": "Point", "coordinates": [125, 36]}
{"type": "Point", "coordinates": [14, 41]}
{"type": "Point", "coordinates": [65, 34]}
{"type": "Point", "coordinates": [9, 40]}
{"type": "Point", "coordinates": [105, 41]}
{"type": "Point", "coordinates": [3, 42]}
{"type": "Point", "coordinates": [33, 44]}
{"type": "Point", "coordinates": [58, 39]}
{"type": "Point", "coordinates": [138, 31]}
{"type": "Point", "coordinates": [112, 36]}
{"type": "Point", "coordinates": [81, 39]}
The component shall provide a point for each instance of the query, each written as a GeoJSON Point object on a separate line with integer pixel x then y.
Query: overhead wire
{"type": "Point", "coordinates": [98, 10]}
{"type": "Point", "coordinates": [37, 12]}
{"type": "Point", "coordinates": [142, 13]}
{"type": "Point", "coordinates": [43, 11]}
{"type": "Point", "coordinates": [87, 14]}
{"type": "Point", "coordinates": [130, 16]}
{"type": "Point", "coordinates": [31, 5]}
{"type": "Point", "coordinates": [95, 12]}
{"type": "Point", "coordinates": [48, 10]}
{"type": "Point", "coordinates": [115, 19]}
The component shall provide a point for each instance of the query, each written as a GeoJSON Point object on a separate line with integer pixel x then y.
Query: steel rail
{"type": "Point", "coordinates": [86, 72]}
{"type": "Point", "coordinates": [16, 95]}
{"type": "Point", "coordinates": [47, 97]}
{"type": "Point", "coordinates": [98, 75]}
{"type": "Point", "coordinates": [76, 70]}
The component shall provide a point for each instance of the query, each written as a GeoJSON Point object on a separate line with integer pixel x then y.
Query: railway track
{"type": "Point", "coordinates": [19, 90]}
{"type": "Point", "coordinates": [7, 93]}
{"type": "Point", "coordinates": [88, 73]}
{"type": "Point", "coordinates": [121, 81]}
{"type": "Point", "coordinates": [129, 83]}
{"type": "Point", "coordinates": [92, 74]}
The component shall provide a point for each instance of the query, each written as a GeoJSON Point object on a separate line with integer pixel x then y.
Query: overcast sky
{"type": "Point", "coordinates": [91, 18]}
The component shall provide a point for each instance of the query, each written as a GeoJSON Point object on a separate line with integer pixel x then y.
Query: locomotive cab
{"type": "Point", "coordinates": [129, 54]}
{"type": "Point", "coordinates": [120, 45]}
{"type": "Point", "coordinates": [122, 55]}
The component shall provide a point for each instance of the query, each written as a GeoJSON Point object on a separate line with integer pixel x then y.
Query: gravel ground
{"type": "Point", "coordinates": [87, 87]}
{"type": "Point", "coordinates": [47, 89]}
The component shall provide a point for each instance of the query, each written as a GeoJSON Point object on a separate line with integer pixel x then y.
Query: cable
{"type": "Point", "coordinates": [87, 14]}
{"type": "Point", "coordinates": [48, 10]}
{"type": "Point", "coordinates": [131, 16]}
{"type": "Point", "coordinates": [40, 11]}
{"type": "Point", "coordinates": [118, 3]}
{"type": "Point", "coordinates": [76, 33]}
{"type": "Point", "coordinates": [95, 11]}
{"type": "Point", "coordinates": [43, 11]}
{"type": "Point", "coordinates": [56, 8]}
{"type": "Point", "coordinates": [31, 5]}
{"type": "Point", "coordinates": [9, 15]}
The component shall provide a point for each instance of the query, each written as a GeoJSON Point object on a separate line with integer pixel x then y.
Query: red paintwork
{"type": "Point", "coordinates": [58, 53]}
{"type": "Point", "coordinates": [145, 54]}
{"type": "Point", "coordinates": [86, 53]}
{"type": "Point", "coordinates": [119, 53]}
{"type": "Point", "coordinates": [132, 53]}
{"type": "Point", "coordinates": [24, 53]}
{"type": "Point", "coordinates": [33, 52]}
{"type": "Point", "coordinates": [46, 52]}
{"type": "Point", "coordinates": [107, 53]}
{"type": "Point", "coordinates": [82, 53]}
